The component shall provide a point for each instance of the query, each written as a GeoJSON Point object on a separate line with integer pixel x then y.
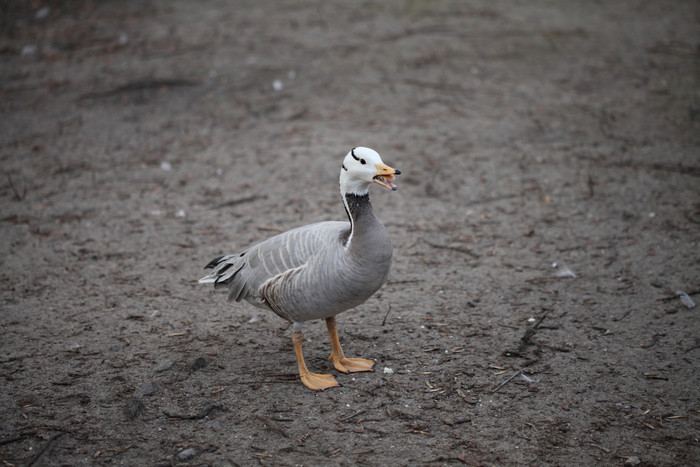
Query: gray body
{"type": "Point", "coordinates": [311, 272]}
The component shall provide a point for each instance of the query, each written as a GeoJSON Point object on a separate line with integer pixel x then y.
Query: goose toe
{"type": "Point", "coordinates": [318, 382]}
{"type": "Point", "coordinates": [352, 365]}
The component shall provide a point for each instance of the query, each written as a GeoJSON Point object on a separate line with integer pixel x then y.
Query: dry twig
{"type": "Point", "coordinates": [525, 340]}
{"type": "Point", "coordinates": [199, 416]}
{"type": "Point", "coordinates": [148, 84]}
{"type": "Point", "coordinates": [352, 415]}
{"type": "Point", "coordinates": [16, 195]}
{"type": "Point", "coordinates": [235, 202]}
{"type": "Point", "coordinates": [493, 391]}
{"type": "Point", "coordinates": [452, 248]}
{"type": "Point", "coordinates": [44, 448]}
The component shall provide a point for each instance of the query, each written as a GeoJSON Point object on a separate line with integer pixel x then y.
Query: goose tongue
{"type": "Point", "coordinates": [385, 181]}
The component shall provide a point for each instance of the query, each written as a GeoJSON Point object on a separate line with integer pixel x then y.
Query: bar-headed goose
{"type": "Point", "coordinates": [319, 270]}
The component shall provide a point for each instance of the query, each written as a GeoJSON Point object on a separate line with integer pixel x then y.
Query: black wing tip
{"type": "Point", "coordinates": [212, 264]}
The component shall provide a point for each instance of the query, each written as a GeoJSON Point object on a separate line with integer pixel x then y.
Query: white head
{"type": "Point", "coordinates": [360, 168]}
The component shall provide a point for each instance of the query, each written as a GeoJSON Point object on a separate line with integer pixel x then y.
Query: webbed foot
{"type": "Point", "coordinates": [351, 365]}
{"type": "Point", "coordinates": [318, 382]}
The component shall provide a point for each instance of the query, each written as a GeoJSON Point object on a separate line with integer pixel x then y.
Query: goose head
{"type": "Point", "coordinates": [362, 167]}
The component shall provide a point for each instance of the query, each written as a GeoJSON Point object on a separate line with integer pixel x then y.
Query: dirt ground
{"type": "Point", "coordinates": [547, 214]}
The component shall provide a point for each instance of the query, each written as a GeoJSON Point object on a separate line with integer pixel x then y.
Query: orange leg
{"type": "Point", "coordinates": [346, 365]}
{"type": "Point", "coordinates": [310, 380]}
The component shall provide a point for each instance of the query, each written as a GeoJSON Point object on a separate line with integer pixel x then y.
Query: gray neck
{"type": "Point", "coordinates": [358, 208]}
{"type": "Point", "coordinates": [364, 225]}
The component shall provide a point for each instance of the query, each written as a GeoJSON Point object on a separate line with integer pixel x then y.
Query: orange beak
{"type": "Point", "coordinates": [385, 176]}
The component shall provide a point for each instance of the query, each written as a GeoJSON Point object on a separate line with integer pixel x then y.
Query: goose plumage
{"type": "Point", "coordinates": [318, 270]}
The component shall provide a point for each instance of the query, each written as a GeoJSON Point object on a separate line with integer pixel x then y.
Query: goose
{"type": "Point", "coordinates": [318, 270]}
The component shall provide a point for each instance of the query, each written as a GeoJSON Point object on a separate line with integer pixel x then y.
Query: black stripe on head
{"type": "Point", "coordinates": [353, 154]}
{"type": "Point", "coordinates": [344, 168]}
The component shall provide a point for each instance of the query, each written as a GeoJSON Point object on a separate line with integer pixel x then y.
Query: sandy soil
{"type": "Point", "coordinates": [547, 215]}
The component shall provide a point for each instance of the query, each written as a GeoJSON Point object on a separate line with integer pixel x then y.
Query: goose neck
{"type": "Point", "coordinates": [357, 206]}
{"type": "Point", "coordinates": [360, 214]}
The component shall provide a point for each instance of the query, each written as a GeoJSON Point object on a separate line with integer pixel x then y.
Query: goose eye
{"type": "Point", "coordinates": [362, 161]}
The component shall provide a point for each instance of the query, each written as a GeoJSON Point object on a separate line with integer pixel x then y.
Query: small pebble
{"type": "Point", "coordinates": [198, 363]}
{"type": "Point", "coordinates": [133, 409]}
{"type": "Point", "coordinates": [165, 365]}
{"type": "Point", "coordinates": [29, 49]}
{"type": "Point", "coordinates": [148, 389]}
{"type": "Point", "coordinates": [633, 460]}
{"type": "Point", "coordinates": [205, 406]}
{"type": "Point", "coordinates": [214, 425]}
{"type": "Point", "coordinates": [187, 454]}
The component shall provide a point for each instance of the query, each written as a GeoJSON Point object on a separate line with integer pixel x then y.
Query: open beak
{"type": "Point", "coordinates": [385, 176]}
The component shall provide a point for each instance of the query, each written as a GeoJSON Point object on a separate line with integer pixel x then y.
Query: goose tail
{"type": "Point", "coordinates": [223, 270]}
